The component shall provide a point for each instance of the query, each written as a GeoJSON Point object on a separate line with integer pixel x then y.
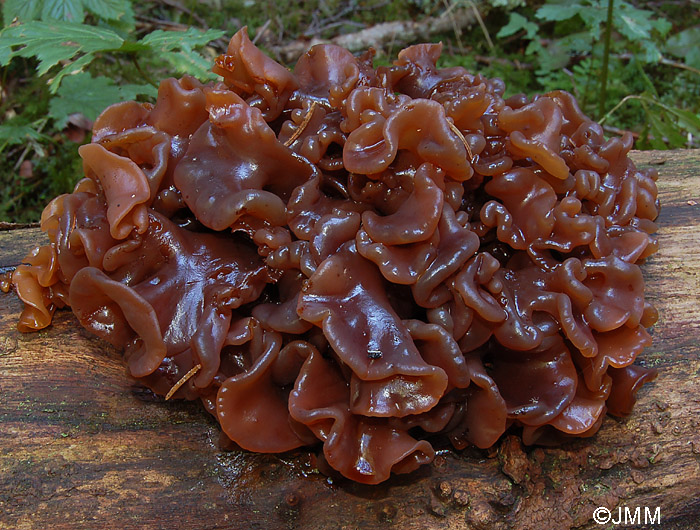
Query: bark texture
{"type": "Point", "coordinates": [82, 447]}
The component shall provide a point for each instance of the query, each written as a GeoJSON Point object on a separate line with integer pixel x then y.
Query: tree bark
{"type": "Point", "coordinates": [83, 447]}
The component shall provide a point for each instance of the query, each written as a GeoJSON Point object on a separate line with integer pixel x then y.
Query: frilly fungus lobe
{"type": "Point", "coordinates": [361, 258]}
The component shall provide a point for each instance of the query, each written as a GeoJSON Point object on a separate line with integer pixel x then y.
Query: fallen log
{"type": "Point", "coordinates": [83, 447]}
{"type": "Point", "coordinates": [387, 34]}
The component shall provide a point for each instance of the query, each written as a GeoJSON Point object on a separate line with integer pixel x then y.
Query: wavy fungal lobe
{"type": "Point", "coordinates": [364, 259]}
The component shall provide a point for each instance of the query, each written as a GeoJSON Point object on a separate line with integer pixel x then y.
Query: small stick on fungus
{"type": "Point", "coordinates": [464, 140]}
{"type": "Point", "coordinates": [302, 125]}
{"type": "Point", "coordinates": [182, 381]}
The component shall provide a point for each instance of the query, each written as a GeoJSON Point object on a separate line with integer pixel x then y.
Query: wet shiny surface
{"type": "Point", "coordinates": [359, 258]}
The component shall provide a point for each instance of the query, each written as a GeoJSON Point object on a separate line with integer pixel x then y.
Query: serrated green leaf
{"type": "Point", "coordinates": [517, 22]}
{"type": "Point", "coordinates": [186, 40]}
{"type": "Point", "coordinates": [636, 23]}
{"type": "Point", "coordinates": [133, 46]}
{"type": "Point", "coordinates": [557, 12]}
{"type": "Point", "coordinates": [686, 119]}
{"type": "Point", "coordinates": [650, 94]}
{"type": "Point", "coordinates": [52, 42]}
{"type": "Point", "coordinates": [594, 17]}
{"type": "Point", "coordinates": [665, 130]}
{"type": "Point", "coordinates": [661, 25]}
{"type": "Point", "coordinates": [18, 134]}
{"type": "Point", "coordinates": [67, 10]}
{"type": "Point", "coordinates": [553, 57]}
{"type": "Point", "coordinates": [70, 69]}
{"type": "Point", "coordinates": [534, 48]}
{"type": "Point", "coordinates": [577, 42]}
{"type": "Point", "coordinates": [176, 48]}
{"type": "Point", "coordinates": [23, 10]}
{"type": "Point", "coordinates": [109, 9]}
{"type": "Point", "coordinates": [90, 96]}
{"type": "Point", "coordinates": [651, 53]}
{"type": "Point", "coordinates": [633, 27]}
{"type": "Point", "coordinates": [190, 62]}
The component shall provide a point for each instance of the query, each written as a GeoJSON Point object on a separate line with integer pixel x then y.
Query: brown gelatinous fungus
{"type": "Point", "coordinates": [360, 258]}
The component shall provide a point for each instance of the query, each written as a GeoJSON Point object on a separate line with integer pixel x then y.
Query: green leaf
{"type": "Point", "coordinates": [650, 94]}
{"type": "Point", "coordinates": [553, 57]}
{"type": "Point", "coordinates": [18, 134]}
{"type": "Point", "coordinates": [189, 62]}
{"type": "Point", "coordinates": [109, 9]}
{"type": "Point", "coordinates": [665, 130]}
{"type": "Point", "coordinates": [692, 58]}
{"type": "Point", "coordinates": [534, 48]}
{"type": "Point", "coordinates": [631, 27]}
{"type": "Point", "coordinates": [557, 12]}
{"type": "Point", "coordinates": [70, 69]}
{"type": "Point", "coordinates": [90, 96]}
{"type": "Point", "coordinates": [680, 43]}
{"type": "Point", "coordinates": [636, 23]}
{"type": "Point", "coordinates": [580, 43]}
{"type": "Point", "coordinates": [186, 40]}
{"type": "Point", "coordinates": [176, 48]}
{"type": "Point", "coordinates": [686, 45]}
{"type": "Point", "coordinates": [68, 10]}
{"type": "Point", "coordinates": [662, 25]}
{"type": "Point", "coordinates": [686, 119]}
{"type": "Point", "coordinates": [23, 10]}
{"type": "Point", "coordinates": [516, 23]}
{"type": "Point", "coordinates": [52, 42]}
{"type": "Point", "coordinates": [594, 17]}
{"type": "Point", "coordinates": [133, 46]}
{"type": "Point", "coordinates": [651, 53]}
{"type": "Point", "coordinates": [508, 4]}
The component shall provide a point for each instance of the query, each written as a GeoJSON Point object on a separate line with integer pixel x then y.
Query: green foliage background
{"type": "Point", "coordinates": [63, 61]}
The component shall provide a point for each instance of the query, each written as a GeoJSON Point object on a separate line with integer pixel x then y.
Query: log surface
{"type": "Point", "coordinates": [82, 447]}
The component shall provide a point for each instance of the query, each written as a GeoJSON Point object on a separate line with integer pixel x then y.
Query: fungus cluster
{"type": "Point", "coordinates": [359, 258]}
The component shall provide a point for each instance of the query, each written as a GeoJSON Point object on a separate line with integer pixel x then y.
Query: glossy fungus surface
{"type": "Point", "coordinates": [359, 259]}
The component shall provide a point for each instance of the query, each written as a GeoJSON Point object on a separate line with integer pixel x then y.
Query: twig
{"type": "Point", "coordinates": [485, 59]}
{"type": "Point", "coordinates": [464, 140]}
{"type": "Point", "coordinates": [676, 64]}
{"type": "Point", "coordinates": [178, 5]}
{"type": "Point", "coordinates": [620, 132]}
{"type": "Point", "coordinates": [337, 24]}
{"type": "Point", "coordinates": [147, 77]}
{"type": "Point", "coordinates": [643, 99]}
{"type": "Point", "coordinates": [571, 76]}
{"type": "Point", "coordinates": [319, 25]}
{"type": "Point", "coordinates": [261, 30]}
{"type": "Point", "coordinates": [619, 104]}
{"type": "Point", "coordinates": [182, 381]}
{"type": "Point", "coordinates": [302, 125]}
{"type": "Point", "coordinates": [161, 22]}
{"type": "Point", "coordinates": [480, 20]}
{"type": "Point", "coordinates": [6, 225]}
{"type": "Point", "coordinates": [457, 30]}
{"type": "Point", "coordinates": [662, 60]}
